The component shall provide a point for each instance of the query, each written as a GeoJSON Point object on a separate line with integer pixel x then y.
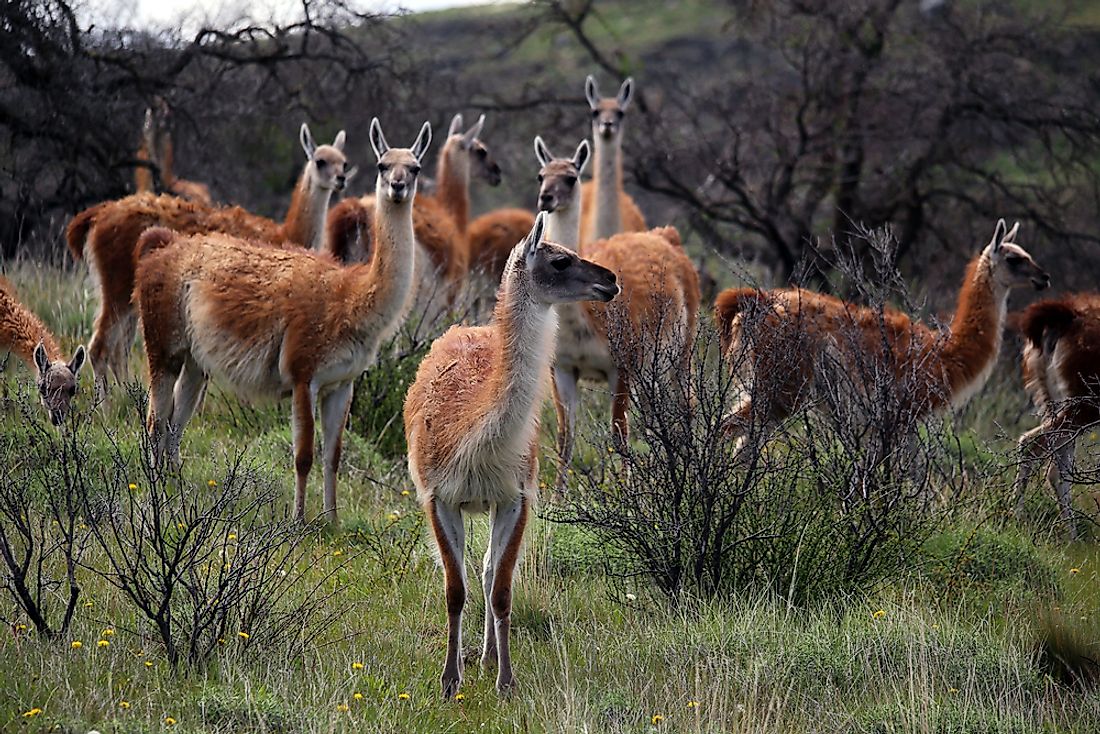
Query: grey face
{"type": "Point", "coordinates": [327, 162]}
{"type": "Point", "coordinates": [558, 177]}
{"type": "Point", "coordinates": [398, 168]}
{"type": "Point", "coordinates": [485, 166]}
{"type": "Point", "coordinates": [57, 383]}
{"type": "Point", "coordinates": [608, 113]}
{"type": "Point", "coordinates": [1013, 265]}
{"type": "Point", "coordinates": [561, 276]}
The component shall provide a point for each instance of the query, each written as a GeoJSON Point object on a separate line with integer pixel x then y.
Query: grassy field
{"type": "Point", "coordinates": [951, 646]}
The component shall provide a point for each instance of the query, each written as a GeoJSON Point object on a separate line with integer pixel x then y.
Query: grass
{"type": "Point", "coordinates": [591, 653]}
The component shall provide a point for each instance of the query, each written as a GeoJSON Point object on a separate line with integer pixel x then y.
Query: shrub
{"type": "Point", "coordinates": [984, 558]}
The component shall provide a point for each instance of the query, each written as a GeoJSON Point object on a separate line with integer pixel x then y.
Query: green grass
{"type": "Point", "coordinates": [591, 653]}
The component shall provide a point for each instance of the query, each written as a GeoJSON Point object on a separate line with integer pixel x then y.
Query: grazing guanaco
{"type": "Point", "coordinates": [277, 323]}
{"type": "Point", "coordinates": [471, 423]}
{"type": "Point", "coordinates": [156, 147]}
{"type": "Point", "coordinates": [653, 324]}
{"type": "Point", "coordinates": [106, 236]}
{"type": "Point", "coordinates": [1061, 365]}
{"type": "Point", "coordinates": [24, 334]}
{"type": "Point", "coordinates": [606, 209]}
{"type": "Point", "coordinates": [774, 338]}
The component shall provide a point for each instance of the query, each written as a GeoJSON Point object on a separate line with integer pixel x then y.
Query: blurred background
{"type": "Point", "coordinates": [766, 131]}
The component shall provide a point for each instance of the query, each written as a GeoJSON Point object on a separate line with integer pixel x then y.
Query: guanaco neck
{"type": "Point", "coordinates": [453, 180]}
{"type": "Point", "coordinates": [305, 219]}
{"type": "Point", "coordinates": [524, 341]}
{"type": "Point", "coordinates": [563, 225]}
{"type": "Point", "coordinates": [166, 156]}
{"type": "Point", "coordinates": [384, 292]}
{"type": "Point", "coordinates": [608, 180]}
{"type": "Point", "coordinates": [977, 326]}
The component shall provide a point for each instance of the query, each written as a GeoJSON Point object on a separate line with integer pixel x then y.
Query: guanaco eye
{"type": "Point", "coordinates": [383, 167]}
{"type": "Point", "coordinates": [321, 163]}
{"type": "Point", "coordinates": [482, 153]}
{"type": "Point", "coordinates": [540, 178]}
{"type": "Point", "coordinates": [595, 114]}
{"type": "Point", "coordinates": [561, 263]}
{"type": "Point", "coordinates": [570, 180]}
{"type": "Point", "coordinates": [414, 170]}
{"type": "Point", "coordinates": [1014, 260]}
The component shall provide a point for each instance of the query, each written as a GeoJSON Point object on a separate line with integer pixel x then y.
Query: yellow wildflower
{"type": "Point", "coordinates": [952, 690]}
{"type": "Point", "coordinates": [460, 696]}
{"type": "Point", "coordinates": [405, 493]}
{"type": "Point", "coordinates": [76, 644]}
{"type": "Point", "coordinates": [243, 635]}
{"type": "Point", "coordinates": [392, 517]}
{"type": "Point", "coordinates": [124, 705]}
{"type": "Point", "coordinates": [32, 713]}
{"type": "Point", "coordinates": [211, 483]}
{"type": "Point", "coordinates": [1075, 570]}
{"type": "Point", "coordinates": [148, 663]}
{"type": "Point", "coordinates": [88, 605]}
{"type": "Point", "coordinates": [132, 486]}
{"type": "Point", "coordinates": [693, 704]}
{"type": "Point", "coordinates": [232, 536]}
{"type": "Point", "coordinates": [169, 721]}
{"type": "Point", "coordinates": [108, 632]}
{"type": "Point", "coordinates": [357, 666]}
{"type": "Point", "coordinates": [338, 552]}
{"type": "Point", "coordinates": [103, 643]}
{"type": "Point", "coordinates": [342, 707]}
{"type": "Point", "coordinates": [403, 697]}
{"type": "Point", "coordinates": [181, 525]}
{"type": "Point", "coordinates": [879, 614]}
{"type": "Point", "coordinates": [221, 640]}
{"type": "Point", "coordinates": [657, 719]}
{"type": "Point", "coordinates": [357, 696]}
{"type": "Point", "coordinates": [20, 627]}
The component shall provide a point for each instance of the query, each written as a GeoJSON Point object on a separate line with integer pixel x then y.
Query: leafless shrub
{"type": "Point", "coordinates": [839, 495]}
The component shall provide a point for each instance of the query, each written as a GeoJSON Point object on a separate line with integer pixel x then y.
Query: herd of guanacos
{"type": "Point", "coordinates": [300, 309]}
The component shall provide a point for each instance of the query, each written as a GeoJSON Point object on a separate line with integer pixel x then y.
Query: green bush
{"type": "Point", "coordinates": [376, 410]}
{"type": "Point", "coordinates": [986, 559]}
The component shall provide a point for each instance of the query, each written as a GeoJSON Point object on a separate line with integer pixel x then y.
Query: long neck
{"type": "Point", "coordinates": [389, 277]}
{"type": "Point", "coordinates": [453, 177]}
{"type": "Point", "coordinates": [563, 225]}
{"type": "Point", "coordinates": [167, 158]}
{"type": "Point", "coordinates": [977, 326]}
{"type": "Point", "coordinates": [524, 341]}
{"type": "Point", "coordinates": [608, 182]}
{"type": "Point", "coordinates": [305, 219]}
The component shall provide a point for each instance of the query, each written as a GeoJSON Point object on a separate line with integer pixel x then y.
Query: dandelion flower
{"type": "Point", "coordinates": [952, 690]}
{"type": "Point", "coordinates": [460, 696]}
{"type": "Point", "coordinates": [181, 526]}
{"type": "Point", "coordinates": [231, 536]}
{"type": "Point", "coordinates": [338, 552]}
{"type": "Point", "coordinates": [243, 635]}
{"type": "Point", "coordinates": [221, 640]}
{"type": "Point", "coordinates": [405, 493]}
{"type": "Point", "coordinates": [211, 483]}
{"type": "Point", "coordinates": [392, 517]}
{"type": "Point", "coordinates": [169, 721]}
{"type": "Point", "coordinates": [342, 707]}
{"type": "Point", "coordinates": [76, 644]}
{"type": "Point", "coordinates": [403, 697]}
{"type": "Point", "coordinates": [103, 643]}
{"type": "Point", "coordinates": [109, 632]}
{"type": "Point", "coordinates": [132, 486]}
{"type": "Point", "coordinates": [693, 704]}
{"type": "Point", "coordinates": [124, 705]}
{"type": "Point", "coordinates": [88, 605]}
{"type": "Point", "coordinates": [20, 627]}
{"type": "Point", "coordinates": [1075, 570]}
{"type": "Point", "coordinates": [357, 696]}
{"type": "Point", "coordinates": [879, 614]}
{"type": "Point", "coordinates": [356, 666]}
{"type": "Point", "coordinates": [657, 719]}
{"type": "Point", "coordinates": [148, 663]}
{"type": "Point", "coordinates": [32, 713]}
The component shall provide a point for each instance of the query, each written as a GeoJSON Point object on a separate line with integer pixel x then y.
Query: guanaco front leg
{"type": "Point", "coordinates": [301, 416]}
{"type": "Point", "coordinates": [507, 524]}
{"type": "Point", "coordinates": [450, 536]}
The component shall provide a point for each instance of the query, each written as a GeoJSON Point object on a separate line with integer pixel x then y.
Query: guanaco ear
{"type": "Point", "coordinates": [456, 125]}
{"type": "Point", "coordinates": [999, 234]}
{"type": "Point", "coordinates": [377, 139]}
{"type": "Point", "coordinates": [542, 153]}
{"type": "Point", "coordinates": [350, 173]}
{"type": "Point", "coordinates": [473, 132]}
{"type": "Point", "coordinates": [306, 138]}
{"type": "Point", "coordinates": [534, 238]}
{"type": "Point", "coordinates": [1011, 236]}
{"type": "Point", "coordinates": [148, 119]}
{"type": "Point", "coordinates": [423, 140]}
{"type": "Point", "coordinates": [77, 361]}
{"type": "Point", "coordinates": [626, 93]}
{"type": "Point", "coordinates": [580, 157]}
{"type": "Point", "coordinates": [338, 143]}
{"type": "Point", "coordinates": [41, 359]}
{"type": "Point", "coordinates": [592, 92]}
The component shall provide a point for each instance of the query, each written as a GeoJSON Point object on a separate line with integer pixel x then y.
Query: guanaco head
{"type": "Point", "coordinates": [155, 130]}
{"type": "Point", "coordinates": [1011, 264]}
{"type": "Point", "coordinates": [556, 274]}
{"type": "Point", "coordinates": [474, 155]}
{"type": "Point", "coordinates": [326, 164]}
{"type": "Point", "coordinates": [398, 167]}
{"type": "Point", "coordinates": [607, 114]}
{"type": "Point", "coordinates": [57, 382]}
{"type": "Point", "coordinates": [558, 177]}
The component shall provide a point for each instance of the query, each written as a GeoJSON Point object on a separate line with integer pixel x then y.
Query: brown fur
{"type": "Point", "coordinates": [21, 330]}
{"type": "Point", "coordinates": [493, 235]}
{"type": "Point", "coordinates": [783, 332]}
{"type": "Point", "coordinates": [156, 147]}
